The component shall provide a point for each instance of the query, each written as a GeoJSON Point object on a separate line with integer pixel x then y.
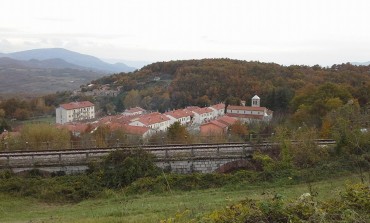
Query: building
{"type": "Point", "coordinates": [181, 115]}
{"type": "Point", "coordinates": [200, 115]}
{"type": "Point", "coordinates": [134, 111]}
{"type": "Point", "coordinates": [227, 120]}
{"type": "Point", "coordinates": [140, 131]}
{"type": "Point", "coordinates": [213, 128]}
{"type": "Point", "coordinates": [75, 111]}
{"type": "Point", "coordinates": [217, 127]}
{"type": "Point", "coordinates": [155, 121]}
{"type": "Point", "coordinates": [218, 110]}
{"type": "Point", "coordinates": [250, 113]}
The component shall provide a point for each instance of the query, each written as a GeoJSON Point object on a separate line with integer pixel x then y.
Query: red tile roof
{"type": "Point", "coordinates": [75, 105]}
{"type": "Point", "coordinates": [180, 113]}
{"type": "Point", "coordinates": [218, 106]}
{"type": "Point", "coordinates": [123, 119]}
{"type": "Point", "coordinates": [152, 118]}
{"type": "Point", "coordinates": [133, 130]}
{"type": "Point", "coordinates": [201, 110]}
{"type": "Point", "coordinates": [227, 120]}
{"type": "Point", "coordinates": [216, 123]}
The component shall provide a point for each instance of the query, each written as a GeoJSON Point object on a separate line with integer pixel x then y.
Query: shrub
{"type": "Point", "coordinates": [352, 206]}
{"type": "Point", "coordinates": [120, 168]}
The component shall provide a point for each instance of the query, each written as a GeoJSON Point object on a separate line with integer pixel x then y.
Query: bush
{"type": "Point", "coordinates": [120, 168]}
{"type": "Point", "coordinates": [73, 188]}
{"type": "Point", "coordinates": [352, 206]}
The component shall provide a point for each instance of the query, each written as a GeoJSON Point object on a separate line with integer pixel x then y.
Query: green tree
{"type": "Point", "coordinates": [305, 152]}
{"type": "Point", "coordinates": [348, 126]}
{"type": "Point", "coordinates": [121, 167]}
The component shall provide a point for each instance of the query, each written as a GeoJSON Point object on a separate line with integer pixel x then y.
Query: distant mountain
{"type": "Point", "coordinates": [6, 62]}
{"type": "Point", "coordinates": [71, 57]}
{"type": "Point", "coordinates": [42, 76]}
{"type": "Point", "coordinates": [132, 63]}
{"type": "Point", "coordinates": [361, 64]}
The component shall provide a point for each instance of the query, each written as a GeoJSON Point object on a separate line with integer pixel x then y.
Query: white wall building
{"type": "Point", "coordinates": [74, 111]}
{"type": "Point", "coordinates": [218, 110]}
{"type": "Point", "coordinates": [134, 111]}
{"type": "Point", "coordinates": [250, 113]}
{"type": "Point", "coordinates": [181, 115]}
{"type": "Point", "coordinates": [200, 114]}
{"type": "Point", "coordinates": [155, 121]}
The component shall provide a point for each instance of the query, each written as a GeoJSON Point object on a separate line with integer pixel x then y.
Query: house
{"type": "Point", "coordinates": [217, 127]}
{"type": "Point", "coordinates": [181, 115]}
{"type": "Point", "coordinates": [213, 127]}
{"type": "Point", "coordinates": [156, 121]}
{"type": "Point", "coordinates": [218, 110]}
{"type": "Point", "coordinates": [250, 113]}
{"type": "Point", "coordinates": [75, 111]}
{"type": "Point", "coordinates": [200, 114]}
{"type": "Point", "coordinates": [122, 119]}
{"type": "Point", "coordinates": [141, 131]}
{"type": "Point", "coordinates": [227, 120]}
{"type": "Point", "coordinates": [134, 111]}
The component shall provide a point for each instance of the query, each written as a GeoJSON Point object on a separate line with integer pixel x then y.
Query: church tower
{"type": "Point", "coordinates": [256, 101]}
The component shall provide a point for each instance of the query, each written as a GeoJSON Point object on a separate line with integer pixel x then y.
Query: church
{"type": "Point", "coordinates": [252, 113]}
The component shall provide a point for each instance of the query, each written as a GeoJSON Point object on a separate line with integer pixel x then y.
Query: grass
{"type": "Point", "coordinates": [115, 206]}
{"type": "Point", "coordinates": [46, 119]}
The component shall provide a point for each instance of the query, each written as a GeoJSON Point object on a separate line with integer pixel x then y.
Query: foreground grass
{"type": "Point", "coordinates": [118, 207]}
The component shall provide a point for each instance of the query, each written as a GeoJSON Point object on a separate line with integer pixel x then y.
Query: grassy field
{"type": "Point", "coordinates": [47, 119]}
{"type": "Point", "coordinates": [117, 207]}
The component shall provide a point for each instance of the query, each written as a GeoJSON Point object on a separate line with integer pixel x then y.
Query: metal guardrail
{"type": "Point", "coordinates": [162, 153]}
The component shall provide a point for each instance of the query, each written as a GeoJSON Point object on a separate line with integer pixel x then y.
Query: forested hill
{"type": "Point", "coordinates": [166, 85]}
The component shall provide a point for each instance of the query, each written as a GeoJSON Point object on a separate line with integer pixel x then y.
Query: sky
{"type": "Point", "coordinates": [308, 32]}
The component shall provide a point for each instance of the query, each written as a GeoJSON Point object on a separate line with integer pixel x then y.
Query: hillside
{"type": "Point", "coordinates": [42, 76]}
{"type": "Point", "coordinates": [43, 71]}
{"type": "Point", "coordinates": [175, 84]}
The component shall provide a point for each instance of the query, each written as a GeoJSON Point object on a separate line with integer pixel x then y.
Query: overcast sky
{"type": "Point", "coordinates": [282, 31]}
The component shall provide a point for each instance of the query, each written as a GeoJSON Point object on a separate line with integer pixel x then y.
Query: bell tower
{"type": "Point", "coordinates": [256, 101]}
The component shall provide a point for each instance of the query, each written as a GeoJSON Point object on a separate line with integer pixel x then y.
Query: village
{"type": "Point", "coordinates": [79, 117]}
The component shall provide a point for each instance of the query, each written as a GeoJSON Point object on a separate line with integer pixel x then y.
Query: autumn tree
{"type": "Point", "coordinates": [313, 103]}
{"type": "Point", "coordinates": [2, 113]}
{"type": "Point", "coordinates": [132, 99]}
{"type": "Point", "coordinates": [348, 126]}
{"type": "Point", "coordinates": [101, 135]}
{"type": "Point", "coordinates": [177, 133]}
{"type": "Point", "coordinates": [239, 130]}
{"type": "Point", "coordinates": [45, 136]}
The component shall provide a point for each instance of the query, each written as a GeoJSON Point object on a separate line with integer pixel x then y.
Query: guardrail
{"type": "Point", "coordinates": [161, 153]}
